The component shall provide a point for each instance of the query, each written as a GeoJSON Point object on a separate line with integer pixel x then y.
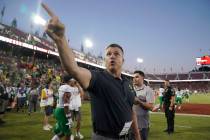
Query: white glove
{"type": "Point", "coordinates": [70, 123]}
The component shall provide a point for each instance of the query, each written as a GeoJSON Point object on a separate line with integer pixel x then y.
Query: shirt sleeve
{"type": "Point", "coordinates": [150, 96]}
{"type": "Point", "coordinates": [93, 81]}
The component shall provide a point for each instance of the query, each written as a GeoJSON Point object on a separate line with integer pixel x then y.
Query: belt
{"type": "Point", "coordinates": [111, 135]}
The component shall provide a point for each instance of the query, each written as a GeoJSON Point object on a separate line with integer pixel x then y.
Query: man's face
{"type": "Point", "coordinates": [72, 83]}
{"type": "Point", "coordinates": [166, 83]}
{"type": "Point", "coordinates": [113, 59]}
{"type": "Point", "coordinates": [138, 80]}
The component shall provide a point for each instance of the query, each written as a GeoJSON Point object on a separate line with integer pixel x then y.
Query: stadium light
{"type": "Point", "coordinates": [139, 60]}
{"type": "Point", "coordinates": [39, 20]}
{"type": "Point", "coordinates": [87, 43]}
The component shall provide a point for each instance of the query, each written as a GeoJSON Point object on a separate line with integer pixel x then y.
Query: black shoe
{"type": "Point", "coordinates": [170, 132]}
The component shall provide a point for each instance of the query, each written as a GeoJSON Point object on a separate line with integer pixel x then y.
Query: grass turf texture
{"type": "Point", "coordinates": [20, 126]}
{"type": "Point", "coordinates": [200, 99]}
{"type": "Point", "coordinates": [195, 99]}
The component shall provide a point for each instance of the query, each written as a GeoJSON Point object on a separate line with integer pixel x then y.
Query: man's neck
{"type": "Point", "coordinates": [139, 86]}
{"type": "Point", "coordinates": [116, 74]}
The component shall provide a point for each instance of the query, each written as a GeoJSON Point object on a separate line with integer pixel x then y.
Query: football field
{"type": "Point", "coordinates": [20, 126]}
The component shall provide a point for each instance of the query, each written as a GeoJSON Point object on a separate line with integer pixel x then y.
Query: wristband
{"type": "Point", "coordinates": [66, 105]}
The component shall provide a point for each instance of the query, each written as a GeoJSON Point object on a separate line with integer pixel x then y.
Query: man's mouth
{"type": "Point", "coordinates": [112, 62]}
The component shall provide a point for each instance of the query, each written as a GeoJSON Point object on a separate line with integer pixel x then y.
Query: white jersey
{"type": "Point", "coordinates": [179, 93]}
{"type": "Point", "coordinates": [50, 98]}
{"type": "Point", "coordinates": [161, 90]}
{"type": "Point", "coordinates": [75, 101]}
{"type": "Point", "coordinates": [62, 89]}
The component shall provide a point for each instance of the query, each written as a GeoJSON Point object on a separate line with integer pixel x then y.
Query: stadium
{"type": "Point", "coordinates": [26, 58]}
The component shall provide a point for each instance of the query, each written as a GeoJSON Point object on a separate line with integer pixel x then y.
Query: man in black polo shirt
{"type": "Point", "coordinates": [168, 102]}
{"type": "Point", "coordinates": [112, 98]}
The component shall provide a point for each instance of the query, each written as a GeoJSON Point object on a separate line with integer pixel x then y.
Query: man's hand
{"type": "Point", "coordinates": [137, 101]}
{"type": "Point", "coordinates": [70, 123]}
{"type": "Point", "coordinates": [55, 29]}
{"type": "Point", "coordinates": [77, 85]}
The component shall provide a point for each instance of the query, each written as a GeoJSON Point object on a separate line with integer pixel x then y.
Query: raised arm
{"type": "Point", "coordinates": [56, 30]}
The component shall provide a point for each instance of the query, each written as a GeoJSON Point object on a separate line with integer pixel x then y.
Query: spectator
{"type": "Point", "coordinates": [33, 98]}
{"type": "Point", "coordinates": [169, 99]}
{"type": "Point", "coordinates": [3, 101]}
{"type": "Point", "coordinates": [146, 96]}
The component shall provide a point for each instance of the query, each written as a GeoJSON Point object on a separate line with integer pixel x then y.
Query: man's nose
{"type": "Point", "coordinates": [112, 55]}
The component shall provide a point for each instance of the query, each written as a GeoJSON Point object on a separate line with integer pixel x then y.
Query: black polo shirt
{"type": "Point", "coordinates": [169, 92]}
{"type": "Point", "coordinates": [111, 102]}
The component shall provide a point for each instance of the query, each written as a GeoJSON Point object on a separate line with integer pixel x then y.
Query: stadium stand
{"type": "Point", "coordinates": [27, 52]}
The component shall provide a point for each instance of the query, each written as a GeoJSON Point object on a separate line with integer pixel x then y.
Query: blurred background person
{"type": "Point", "coordinates": [169, 100]}
{"type": "Point", "coordinates": [47, 103]}
{"type": "Point", "coordinates": [146, 96]}
{"type": "Point", "coordinates": [75, 106]}
{"type": "Point", "coordinates": [33, 98]}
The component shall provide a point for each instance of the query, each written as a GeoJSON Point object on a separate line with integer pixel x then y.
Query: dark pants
{"type": "Point", "coordinates": [144, 133]}
{"type": "Point", "coordinates": [32, 105]}
{"type": "Point", "coordinates": [20, 103]}
{"type": "Point", "coordinates": [100, 137]}
{"type": "Point", "coordinates": [170, 119]}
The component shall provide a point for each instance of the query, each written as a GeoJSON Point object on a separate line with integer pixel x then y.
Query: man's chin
{"type": "Point", "coordinates": [112, 69]}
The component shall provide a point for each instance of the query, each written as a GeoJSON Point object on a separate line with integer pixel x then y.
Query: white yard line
{"type": "Point", "coordinates": [183, 126]}
{"type": "Point", "coordinates": [182, 114]}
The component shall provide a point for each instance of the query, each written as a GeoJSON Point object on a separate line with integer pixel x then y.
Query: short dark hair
{"type": "Point", "coordinates": [167, 80]}
{"type": "Point", "coordinates": [115, 46]}
{"type": "Point", "coordinates": [140, 73]}
{"type": "Point", "coordinates": [66, 78]}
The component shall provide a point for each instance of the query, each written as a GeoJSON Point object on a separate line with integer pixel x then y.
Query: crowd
{"type": "Point", "coordinates": [119, 107]}
{"type": "Point", "coordinates": [28, 86]}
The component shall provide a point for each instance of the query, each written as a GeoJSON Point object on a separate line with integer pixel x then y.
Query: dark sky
{"type": "Point", "coordinates": [165, 33]}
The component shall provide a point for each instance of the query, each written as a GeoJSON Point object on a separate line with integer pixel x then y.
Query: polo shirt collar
{"type": "Point", "coordinates": [117, 78]}
{"type": "Point", "coordinates": [140, 88]}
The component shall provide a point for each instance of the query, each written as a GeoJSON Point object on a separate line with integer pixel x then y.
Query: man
{"type": "Point", "coordinates": [111, 98]}
{"type": "Point", "coordinates": [168, 102]}
{"type": "Point", "coordinates": [3, 101]}
{"type": "Point", "coordinates": [146, 96]}
{"type": "Point", "coordinates": [179, 93]}
{"type": "Point", "coordinates": [33, 97]}
{"type": "Point", "coordinates": [62, 114]}
{"type": "Point", "coordinates": [75, 105]}
{"type": "Point", "coordinates": [160, 94]}
{"type": "Point", "coordinates": [47, 101]}
{"type": "Point", "coordinates": [187, 95]}
{"type": "Point", "coordinates": [21, 96]}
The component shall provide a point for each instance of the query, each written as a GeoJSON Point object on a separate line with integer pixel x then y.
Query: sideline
{"type": "Point", "coordinates": [183, 114]}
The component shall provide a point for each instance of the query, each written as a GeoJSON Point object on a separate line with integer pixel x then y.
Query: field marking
{"type": "Point", "coordinates": [183, 126]}
{"type": "Point", "coordinates": [183, 114]}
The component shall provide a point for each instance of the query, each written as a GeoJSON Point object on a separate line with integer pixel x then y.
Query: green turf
{"type": "Point", "coordinates": [20, 126]}
{"type": "Point", "coordinates": [201, 98]}
{"type": "Point", "coordinates": [195, 99]}
{"type": "Point", "coordinates": [186, 128]}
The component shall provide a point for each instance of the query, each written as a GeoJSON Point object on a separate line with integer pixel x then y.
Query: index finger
{"type": "Point", "coordinates": [47, 9]}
